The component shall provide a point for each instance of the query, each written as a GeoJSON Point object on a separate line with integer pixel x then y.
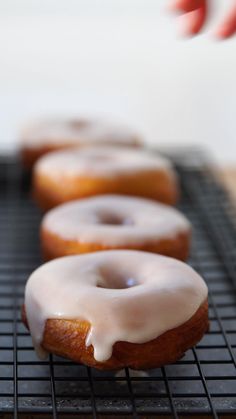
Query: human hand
{"type": "Point", "coordinates": [196, 12]}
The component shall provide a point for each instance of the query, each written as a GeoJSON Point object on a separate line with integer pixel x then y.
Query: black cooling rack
{"type": "Point", "coordinates": [203, 383]}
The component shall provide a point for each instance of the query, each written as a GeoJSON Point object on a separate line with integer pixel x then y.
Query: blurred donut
{"type": "Point", "coordinates": [115, 222]}
{"type": "Point", "coordinates": [66, 175]}
{"type": "Point", "coordinates": [43, 136]}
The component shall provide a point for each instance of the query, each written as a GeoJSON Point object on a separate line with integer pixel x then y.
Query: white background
{"type": "Point", "coordinates": [120, 59]}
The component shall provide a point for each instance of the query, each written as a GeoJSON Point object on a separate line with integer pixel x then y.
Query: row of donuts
{"type": "Point", "coordinates": [83, 172]}
{"type": "Point", "coordinates": [114, 303]}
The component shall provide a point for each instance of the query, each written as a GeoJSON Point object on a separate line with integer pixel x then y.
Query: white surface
{"type": "Point", "coordinates": [121, 59]}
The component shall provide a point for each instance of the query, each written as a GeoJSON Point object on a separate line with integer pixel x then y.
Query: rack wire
{"type": "Point", "coordinates": [202, 384]}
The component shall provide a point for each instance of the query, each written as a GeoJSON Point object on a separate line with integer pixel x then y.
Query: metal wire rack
{"type": "Point", "coordinates": [202, 384]}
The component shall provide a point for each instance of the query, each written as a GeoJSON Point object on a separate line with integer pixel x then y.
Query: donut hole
{"type": "Point", "coordinates": [112, 280]}
{"type": "Point", "coordinates": [110, 218]}
{"type": "Point", "coordinates": [100, 158]}
{"type": "Point", "coordinates": [78, 123]}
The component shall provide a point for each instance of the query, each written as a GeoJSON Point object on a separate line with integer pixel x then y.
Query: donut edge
{"type": "Point", "coordinates": [53, 246]}
{"type": "Point", "coordinates": [67, 338]}
{"type": "Point", "coordinates": [159, 185]}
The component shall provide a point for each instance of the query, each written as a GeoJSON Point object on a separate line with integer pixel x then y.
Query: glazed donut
{"type": "Point", "coordinates": [42, 136]}
{"type": "Point", "coordinates": [116, 309]}
{"type": "Point", "coordinates": [114, 222]}
{"type": "Point", "coordinates": [73, 174]}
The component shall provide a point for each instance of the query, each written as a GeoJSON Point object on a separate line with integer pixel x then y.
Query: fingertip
{"type": "Point", "coordinates": [185, 30]}
{"type": "Point", "coordinates": [228, 27]}
{"type": "Point", "coordinates": [192, 23]}
{"type": "Point", "coordinates": [174, 7]}
{"type": "Point", "coordinates": [221, 34]}
{"type": "Point", "coordinates": [171, 6]}
{"type": "Point", "coordinates": [224, 32]}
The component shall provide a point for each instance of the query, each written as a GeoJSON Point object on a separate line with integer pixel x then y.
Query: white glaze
{"type": "Point", "coordinates": [93, 220]}
{"type": "Point", "coordinates": [81, 132]}
{"type": "Point", "coordinates": [100, 161]}
{"type": "Point", "coordinates": [165, 294]}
